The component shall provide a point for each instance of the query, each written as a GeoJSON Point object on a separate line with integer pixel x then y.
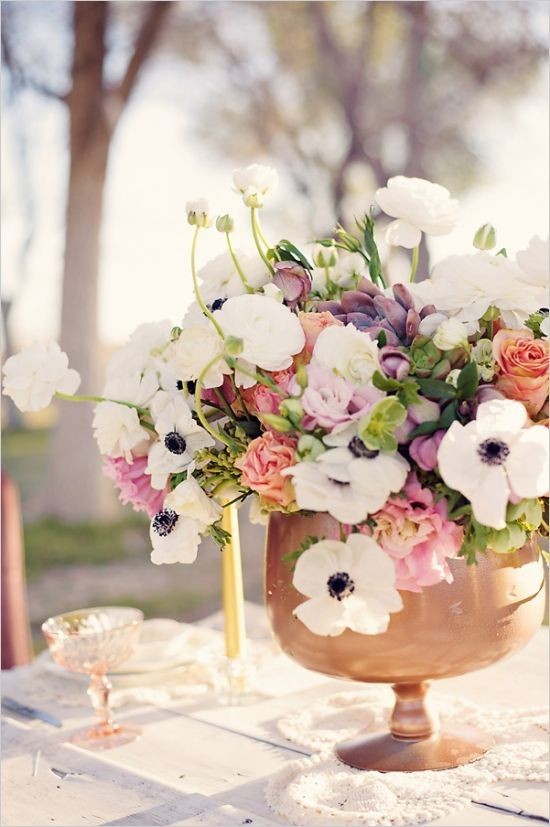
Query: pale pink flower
{"type": "Point", "coordinates": [330, 401]}
{"type": "Point", "coordinates": [414, 530]}
{"type": "Point", "coordinates": [134, 484]}
{"type": "Point", "coordinates": [260, 399]}
{"type": "Point", "coordinates": [313, 324]}
{"type": "Point", "coordinates": [423, 450]}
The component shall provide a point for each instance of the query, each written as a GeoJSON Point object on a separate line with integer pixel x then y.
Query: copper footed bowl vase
{"type": "Point", "coordinates": [488, 612]}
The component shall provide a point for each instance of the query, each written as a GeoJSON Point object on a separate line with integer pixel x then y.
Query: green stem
{"type": "Point", "coordinates": [196, 290]}
{"type": "Point", "coordinates": [240, 398]}
{"type": "Point", "coordinates": [257, 241]}
{"type": "Point", "coordinates": [414, 262]}
{"type": "Point", "coordinates": [238, 267]}
{"type": "Point", "coordinates": [224, 403]}
{"type": "Point", "coordinates": [84, 398]}
{"type": "Point", "coordinates": [198, 406]}
{"type": "Point", "coordinates": [262, 380]}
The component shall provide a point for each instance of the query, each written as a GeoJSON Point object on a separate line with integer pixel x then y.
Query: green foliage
{"type": "Point", "coordinates": [535, 320]}
{"type": "Point", "coordinates": [287, 251]}
{"type": "Point", "coordinates": [436, 389]}
{"type": "Point", "coordinates": [468, 381]}
{"type": "Point", "coordinates": [375, 266]}
{"type": "Point", "coordinates": [406, 391]}
{"type": "Point", "coordinates": [218, 534]}
{"type": "Point", "coordinates": [376, 429]}
{"type": "Point", "coordinates": [293, 556]}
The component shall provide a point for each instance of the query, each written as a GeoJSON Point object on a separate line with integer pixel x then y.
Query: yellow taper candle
{"type": "Point", "coordinates": [232, 587]}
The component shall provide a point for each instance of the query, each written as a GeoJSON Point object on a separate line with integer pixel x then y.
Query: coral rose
{"type": "Point", "coordinates": [523, 367]}
{"type": "Point", "coordinates": [262, 465]}
{"type": "Point", "coordinates": [314, 323]}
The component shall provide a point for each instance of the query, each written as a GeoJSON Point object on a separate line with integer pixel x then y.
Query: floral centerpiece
{"type": "Point", "coordinates": [302, 379]}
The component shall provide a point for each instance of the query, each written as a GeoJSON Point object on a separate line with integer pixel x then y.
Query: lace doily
{"type": "Point", "coordinates": [319, 791]}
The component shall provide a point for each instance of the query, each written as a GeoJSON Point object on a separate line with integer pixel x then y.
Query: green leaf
{"type": "Point", "coordinates": [293, 556]}
{"type": "Point", "coordinates": [468, 380]}
{"type": "Point", "coordinates": [408, 395]}
{"type": "Point", "coordinates": [436, 389]}
{"type": "Point", "coordinates": [448, 416]}
{"type": "Point", "coordinates": [384, 383]}
{"type": "Point", "coordinates": [424, 429]}
{"type": "Point", "coordinates": [286, 246]}
{"type": "Point", "coordinates": [381, 338]}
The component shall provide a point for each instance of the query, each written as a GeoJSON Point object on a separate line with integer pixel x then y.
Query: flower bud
{"type": "Point", "coordinates": [175, 333]}
{"type": "Point", "coordinates": [309, 447]}
{"type": "Point", "coordinates": [278, 423]}
{"type": "Point", "coordinates": [292, 409]}
{"type": "Point", "coordinates": [233, 346]}
{"type": "Point", "coordinates": [224, 223]}
{"type": "Point", "coordinates": [325, 256]}
{"type": "Point", "coordinates": [197, 213]}
{"type": "Point", "coordinates": [301, 377]}
{"type": "Point", "coordinates": [451, 334]}
{"type": "Point", "coordinates": [394, 362]}
{"type": "Point", "coordinates": [485, 238]}
{"type": "Point", "coordinates": [293, 280]}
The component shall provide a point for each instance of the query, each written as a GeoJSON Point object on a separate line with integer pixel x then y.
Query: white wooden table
{"type": "Point", "coordinates": [199, 763]}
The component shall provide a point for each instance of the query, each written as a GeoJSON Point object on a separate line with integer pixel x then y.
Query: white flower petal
{"type": "Point", "coordinates": [315, 566]}
{"type": "Point", "coordinates": [490, 497]}
{"type": "Point", "coordinates": [458, 459]}
{"type": "Point", "coordinates": [527, 464]}
{"type": "Point", "coordinates": [322, 616]}
{"type": "Point", "coordinates": [500, 417]}
{"type": "Point", "coordinates": [402, 234]}
{"type": "Point", "coordinates": [368, 616]}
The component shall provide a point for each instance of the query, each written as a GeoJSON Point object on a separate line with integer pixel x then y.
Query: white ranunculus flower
{"type": "Point", "coordinates": [534, 262]}
{"type": "Point", "coordinates": [419, 207]}
{"type": "Point", "coordinates": [254, 183]}
{"type": "Point", "coordinates": [132, 387]}
{"type": "Point", "coordinates": [466, 286]}
{"type": "Point", "coordinates": [348, 482]}
{"type": "Point", "coordinates": [118, 431]}
{"type": "Point", "coordinates": [271, 334]}
{"type": "Point", "coordinates": [494, 458]}
{"type": "Point", "coordinates": [179, 438]}
{"type": "Point", "coordinates": [349, 585]}
{"type": "Point", "coordinates": [176, 530]}
{"type": "Point", "coordinates": [347, 353]}
{"type": "Point", "coordinates": [142, 350]}
{"type": "Point", "coordinates": [34, 376]}
{"type": "Point", "coordinates": [220, 278]}
{"type": "Point", "coordinates": [193, 350]}
{"type": "Point", "coordinates": [450, 334]}
{"type": "Point", "coordinates": [198, 213]}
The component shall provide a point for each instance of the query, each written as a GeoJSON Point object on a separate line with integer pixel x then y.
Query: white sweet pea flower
{"type": "Point", "coordinates": [494, 458]}
{"type": "Point", "coordinates": [195, 347]}
{"type": "Point", "coordinates": [534, 262]}
{"type": "Point", "coordinates": [450, 334]}
{"type": "Point", "coordinates": [350, 482]}
{"type": "Point", "coordinates": [347, 353]}
{"type": "Point", "coordinates": [270, 333]}
{"type": "Point", "coordinates": [198, 213]}
{"type": "Point", "coordinates": [142, 351]}
{"type": "Point", "coordinates": [219, 278]}
{"type": "Point", "coordinates": [118, 432]}
{"type": "Point", "coordinates": [419, 207]}
{"type": "Point", "coordinates": [466, 286]}
{"type": "Point", "coordinates": [34, 376]}
{"type": "Point", "coordinates": [176, 530]}
{"type": "Point", "coordinates": [254, 183]}
{"type": "Point", "coordinates": [350, 585]}
{"type": "Point", "coordinates": [179, 438]}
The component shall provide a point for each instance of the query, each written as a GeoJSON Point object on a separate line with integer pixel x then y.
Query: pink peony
{"type": "Point", "coordinates": [330, 401]}
{"type": "Point", "coordinates": [523, 367]}
{"type": "Point", "coordinates": [313, 324]}
{"type": "Point", "coordinates": [134, 484]}
{"type": "Point", "coordinates": [414, 531]}
{"type": "Point", "coordinates": [266, 457]}
{"type": "Point", "coordinates": [259, 399]}
{"type": "Point", "coordinates": [423, 450]}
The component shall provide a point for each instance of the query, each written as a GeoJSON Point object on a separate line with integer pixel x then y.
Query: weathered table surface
{"type": "Point", "coordinates": [199, 763]}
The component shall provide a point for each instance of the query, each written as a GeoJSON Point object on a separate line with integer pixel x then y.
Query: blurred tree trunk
{"type": "Point", "coordinates": [94, 111]}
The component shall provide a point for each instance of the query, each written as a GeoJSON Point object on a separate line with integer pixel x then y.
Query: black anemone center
{"type": "Point", "coordinates": [191, 386]}
{"type": "Point", "coordinates": [340, 585]}
{"type": "Point", "coordinates": [217, 304]}
{"type": "Point", "coordinates": [359, 449]}
{"type": "Point", "coordinates": [175, 443]}
{"type": "Point", "coordinates": [338, 482]}
{"type": "Point", "coordinates": [179, 385]}
{"type": "Point", "coordinates": [493, 451]}
{"type": "Point", "coordinates": [164, 522]}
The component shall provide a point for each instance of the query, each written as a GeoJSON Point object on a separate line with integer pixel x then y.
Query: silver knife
{"type": "Point", "coordinates": [30, 712]}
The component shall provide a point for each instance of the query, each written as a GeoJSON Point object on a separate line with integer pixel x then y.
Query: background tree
{"type": "Point", "coordinates": [94, 109]}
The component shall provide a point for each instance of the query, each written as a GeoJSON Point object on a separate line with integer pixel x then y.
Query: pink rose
{"type": "Point", "coordinates": [523, 367]}
{"type": "Point", "coordinates": [260, 399]}
{"type": "Point", "coordinates": [313, 324]}
{"type": "Point", "coordinates": [266, 457]}
{"type": "Point", "coordinates": [423, 450]}
{"type": "Point", "coordinates": [134, 484]}
{"type": "Point", "coordinates": [415, 532]}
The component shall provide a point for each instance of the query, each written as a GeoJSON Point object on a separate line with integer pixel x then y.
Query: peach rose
{"type": "Point", "coordinates": [260, 399]}
{"type": "Point", "coordinates": [262, 464]}
{"type": "Point", "coordinates": [313, 324]}
{"type": "Point", "coordinates": [523, 367]}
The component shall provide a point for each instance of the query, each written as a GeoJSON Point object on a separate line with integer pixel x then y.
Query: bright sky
{"type": "Point", "coordinates": [156, 167]}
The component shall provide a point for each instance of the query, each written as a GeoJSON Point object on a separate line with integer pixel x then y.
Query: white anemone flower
{"type": "Point", "coordinates": [34, 376]}
{"type": "Point", "coordinates": [270, 333]}
{"type": "Point", "coordinates": [118, 431]}
{"type": "Point", "coordinates": [219, 278]}
{"type": "Point", "coordinates": [179, 438]}
{"type": "Point", "coordinates": [419, 206]}
{"type": "Point", "coordinates": [348, 353]}
{"type": "Point", "coordinates": [254, 183]}
{"type": "Point", "coordinates": [176, 530]}
{"type": "Point", "coordinates": [494, 458]}
{"type": "Point", "coordinates": [350, 482]}
{"type": "Point", "coordinates": [350, 585]}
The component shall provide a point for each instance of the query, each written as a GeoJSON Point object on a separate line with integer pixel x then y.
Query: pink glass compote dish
{"type": "Point", "coordinates": [92, 642]}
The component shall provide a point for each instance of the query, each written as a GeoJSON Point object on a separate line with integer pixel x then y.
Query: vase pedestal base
{"type": "Point", "coordinates": [441, 751]}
